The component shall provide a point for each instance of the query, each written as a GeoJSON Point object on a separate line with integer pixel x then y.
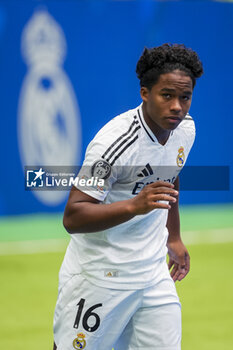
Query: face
{"type": "Point", "coordinates": [168, 101]}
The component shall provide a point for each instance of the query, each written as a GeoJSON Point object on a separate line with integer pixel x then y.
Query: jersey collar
{"type": "Point", "coordinates": [144, 124]}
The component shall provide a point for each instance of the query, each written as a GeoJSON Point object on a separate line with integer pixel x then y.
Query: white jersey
{"type": "Point", "coordinates": [127, 156]}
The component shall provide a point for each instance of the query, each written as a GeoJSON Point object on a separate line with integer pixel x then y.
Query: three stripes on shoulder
{"type": "Point", "coordinates": [120, 145]}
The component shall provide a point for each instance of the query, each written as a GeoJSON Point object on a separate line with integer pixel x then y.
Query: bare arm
{"type": "Point", "coordinates": [85, 214]}
{"type": "Point", "coordinates": [179, 257]}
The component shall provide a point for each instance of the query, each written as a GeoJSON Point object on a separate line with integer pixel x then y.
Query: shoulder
{"type": "Point", "coordinates": [187, 126]}
{"type": "Point", "coordinates": [187, 123]}
{"type": "Point", "coordinates": [116, 136]}
{"type": "Point", "coordinates": [185, 133]}
{"type": "Point", "coordinates": [118, 125]}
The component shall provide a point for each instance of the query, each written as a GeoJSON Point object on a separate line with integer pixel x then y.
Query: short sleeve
{"type": "Point", "coordinates": [96, 175]}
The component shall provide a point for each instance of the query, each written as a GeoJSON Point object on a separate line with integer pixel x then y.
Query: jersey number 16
{"type": "Point", "coordinates": [86, 316]}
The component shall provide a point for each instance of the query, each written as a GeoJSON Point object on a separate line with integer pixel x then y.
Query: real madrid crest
{"type": "Point", "coordinates": [79, 342]}
{"type": "Point", "coordinates": [180, 159]}
{"type": "Point", "coordinates": [49, 123]}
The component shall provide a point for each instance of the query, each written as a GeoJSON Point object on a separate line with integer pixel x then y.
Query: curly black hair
{"type": "Point", "coordinates": [165, 59]}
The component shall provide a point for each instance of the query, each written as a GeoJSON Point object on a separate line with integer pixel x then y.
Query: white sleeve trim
{"type": "Point", "coordinates": [92, 193]}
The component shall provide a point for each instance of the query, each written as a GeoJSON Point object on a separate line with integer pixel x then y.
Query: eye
{"type": "Point", "coordinates": [167, 96]}
{"type": "Point", "coordinates": [186, 97]}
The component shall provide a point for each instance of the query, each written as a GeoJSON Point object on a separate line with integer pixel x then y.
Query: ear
{"type": "Point", "coordinates": [144, 93]}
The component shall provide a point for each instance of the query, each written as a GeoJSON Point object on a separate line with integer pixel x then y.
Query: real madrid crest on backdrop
{"type": "Point", "coordinates": [49, 130]}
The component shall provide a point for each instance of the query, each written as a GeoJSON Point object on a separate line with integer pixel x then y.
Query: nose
{"type": "Point", "coordinates": [175, 105]}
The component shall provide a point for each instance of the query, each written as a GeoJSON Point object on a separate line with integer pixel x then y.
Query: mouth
{"type": "Point", "coordinates": [173, 119]}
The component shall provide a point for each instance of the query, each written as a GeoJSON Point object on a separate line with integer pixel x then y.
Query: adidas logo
{"type": "Point", "coordinates": [146, 171]}
{"type": "Point", "coordinates": [113, 273]}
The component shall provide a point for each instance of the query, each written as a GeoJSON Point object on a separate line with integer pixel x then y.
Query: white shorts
{"type": "Point", "coordinates": [94, 318]}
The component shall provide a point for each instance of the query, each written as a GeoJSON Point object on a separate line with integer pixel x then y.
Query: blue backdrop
{"type": "Point", "coordinates": [94, 47]}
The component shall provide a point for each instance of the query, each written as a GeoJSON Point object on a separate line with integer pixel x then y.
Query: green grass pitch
{"type": "Point", "coordinates": [29, 280]}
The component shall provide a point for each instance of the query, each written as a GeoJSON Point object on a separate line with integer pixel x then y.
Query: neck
{"type": "Point", "coordinates": [162, 135]}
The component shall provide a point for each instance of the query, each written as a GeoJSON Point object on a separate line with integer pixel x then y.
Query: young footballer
{"type": "Point", "coordinates": [115, 289]}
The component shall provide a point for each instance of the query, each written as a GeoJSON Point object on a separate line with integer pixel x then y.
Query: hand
{"type": "Point", "coordinates": [150, 196]}
{"type": "Point", "coordinates": [179, 259]}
